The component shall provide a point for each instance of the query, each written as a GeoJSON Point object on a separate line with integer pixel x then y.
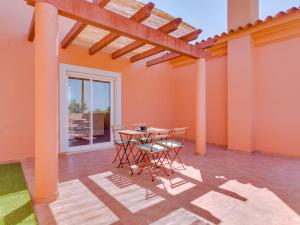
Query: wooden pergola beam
{"type": "Point", "coordinates": [174, 55]}
{"type": "Point", "coordinates": [79, 26]}
{"type": "Point", "coordinates": [187, 38]}
{"type": "Point", "coordinates": [31, 32]}
{"type": "Point", "coordinates": [167, 28]}
{"type": "Point", "coordinates": [139, 17]}
{"type": "Point", "coordinates": [93, 15]}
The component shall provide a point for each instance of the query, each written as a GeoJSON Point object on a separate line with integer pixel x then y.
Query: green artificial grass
{"type": "Point", "coordinates": [15, 202]}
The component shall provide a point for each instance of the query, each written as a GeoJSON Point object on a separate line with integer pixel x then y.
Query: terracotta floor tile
{"type": "Point", "coordinates": [222, 187]}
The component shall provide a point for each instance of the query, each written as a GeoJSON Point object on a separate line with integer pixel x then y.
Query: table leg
{"type": "Point", "coordinates": [125, 147]}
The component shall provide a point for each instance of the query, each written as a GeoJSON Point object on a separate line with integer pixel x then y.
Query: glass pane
{"type": "Point", "coordinates": [79, 101]}
{"type": "Point", "coordinates": [101, 112]}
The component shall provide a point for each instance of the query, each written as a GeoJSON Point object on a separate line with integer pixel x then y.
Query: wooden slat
{"type": "Point", "coordinates": [101, 3]}
{"type": "Point", "coordinates": [139, 17]}
{"type": "Point", "coordinates": [167, 28]}
{"type": "Point", "coordinates": [143, 13]}
{"type": "Point", "coordinates": [187, 38]}
{"type": "Point", "coordinates": [93, 15]}
{"type": "Point", "coordinates": [174, 55]}
{"type": "Point", "coordinates": [171, 26]}
{"type": "Point", "coordinates": [79, 26]}
{"type": "Point", "coordinates": [164, 58]}
{"type": "Point", "coordinates": [31, 33]}
{"type": "Point", "coordinates": [73, 33]}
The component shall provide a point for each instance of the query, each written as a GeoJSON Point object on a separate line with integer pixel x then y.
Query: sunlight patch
{"type": "Point", "coordinates": [244, 190]}
{"type": "Point", "coordinates": [216, 203]}
{"type": "Point", "coordinates": [181, 216]}
{"type": "Point", "coordinates": [188, 171]}
{"type": "Point", "coordinates": [76, 204]}
{"type": "Point", "coordinates": [130, 195]}
{"type": "Point", "coordinates": [175, 186]}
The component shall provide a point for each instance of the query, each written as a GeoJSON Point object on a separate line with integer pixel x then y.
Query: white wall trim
{"type": "Point", "coordinates": [113, 77]}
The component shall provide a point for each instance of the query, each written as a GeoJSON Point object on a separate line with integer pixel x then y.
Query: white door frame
{"type": "Point", "coordinates": [85, 72]}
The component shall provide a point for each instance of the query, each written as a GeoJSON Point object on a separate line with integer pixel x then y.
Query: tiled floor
{"type": "Point", "coordinates": [222, 187]}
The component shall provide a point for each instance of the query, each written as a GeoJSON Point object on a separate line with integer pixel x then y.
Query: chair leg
{"type": "Point", "coordinates": [149, 166]}
{"type": "Point", "coordinates": [170, 164]}
{"type": "Point", "coordinates": [138, 158]}
{"type": "Point", "coordinates": [128, 161]}
{"type": "Point", "coordinates": [177, 156]}
{"type": "Point", "coordinates": [144, 163]}
{"type": "Point", "coordinates": [180, 161]}
{"type": "Point", "coordinates": [131, 147]}
{"type": "Point", "coordinates": [161, 160]}
{"type": "Point", "coordinates": [155, 157]}
{"type": "Point", "coordinates": [118, 148]}
{"type": "Point", "coordinates": [162, 157]}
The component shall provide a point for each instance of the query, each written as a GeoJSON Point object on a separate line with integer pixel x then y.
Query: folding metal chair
{"type": "Point", "coordinates": [176, 143]}
{"type": "Point", "coordinates": [153, 152]}
{"type": "Point", "coordinates": [119, 143]}
{"type": "Point", "coordinates": [143, 138]}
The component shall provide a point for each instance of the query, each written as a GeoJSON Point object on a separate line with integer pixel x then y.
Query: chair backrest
{"type": "Point", "coordinates": [160, 135]}
{"type": "Point", "coordinates": [137, 126]}
{"type": "Point", "coordinates": [115, 129]}
{"type": "Point", "coordinates": [179, 134]}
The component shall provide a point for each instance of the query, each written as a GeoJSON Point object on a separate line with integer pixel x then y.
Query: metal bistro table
{"type": "Point", "coordinates": [127, 137]}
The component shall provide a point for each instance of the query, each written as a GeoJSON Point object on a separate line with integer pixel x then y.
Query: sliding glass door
{"type": "Point", "coordinates": [89, 111]}
{"type": "Point", "coordinates": [101, 112]}
{"type": "Point", "coordinates": [79, 112]}
{"type": "Point", "coordinates": [90, 103]}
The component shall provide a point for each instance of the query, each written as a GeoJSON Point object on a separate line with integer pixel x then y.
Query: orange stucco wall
{"type": "Point", "coordinates": [16, 85]}
{"type": "Point", "coordinates": [184, 94]}
{"type": "Point", "coordinates": [277, 98]}
{"type": "Point", "coordinates": [147, 93]}
{"type": "Point", "coordinates": [161, 95]}
{"type": "Point", "coordinates": [216, 101]}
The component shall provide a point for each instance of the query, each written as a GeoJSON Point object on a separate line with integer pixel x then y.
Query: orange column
{"type": "Point", "coordinates": [200, 107]}
{"type": "Point", "coordinates": [241, 12]}
{"type": "Point", "coordinates": [241, 94]}
{"type": "Point", "coordinates": [46, 102]}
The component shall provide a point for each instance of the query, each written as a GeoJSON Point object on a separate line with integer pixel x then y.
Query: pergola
{"type": "Point", "coordinates": [44, 29]}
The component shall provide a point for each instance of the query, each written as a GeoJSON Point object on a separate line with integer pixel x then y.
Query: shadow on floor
{"type": "Point", "coordinates": [222, 187]}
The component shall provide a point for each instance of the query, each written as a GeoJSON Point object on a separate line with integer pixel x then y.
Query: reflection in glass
{"type": "Point", "coordinates": [101, 111]}
{"type": "Point", "coordinates": [79, 111]}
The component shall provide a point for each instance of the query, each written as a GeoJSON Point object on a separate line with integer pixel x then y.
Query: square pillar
{"type": "Point", "coordinates": [241, 94]}
{"type": "Point", "coordinates": [241, 12]}
{"type": "Point", "coordinates": [46, 102]}
{"type": "Point", "coordinates": [200, 103]}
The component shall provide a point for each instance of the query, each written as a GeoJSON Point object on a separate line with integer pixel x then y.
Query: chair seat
{"type": "Point", "coordinates": [120, 142]}
{"type": "Point", "coordinates": [155, 148]}
{"type": "Point", "coordinates": [170, 144]}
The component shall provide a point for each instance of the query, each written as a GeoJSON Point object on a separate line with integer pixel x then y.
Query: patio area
{"type": "Point", "coordinates": [82, 80]}
{"type": "Point", "coordinates": [222, 187]}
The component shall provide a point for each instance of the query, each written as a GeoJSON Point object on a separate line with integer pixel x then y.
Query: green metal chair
{"type": "Point", "coordinates": [120, 143]}
{"type": "Point", "coordinates": [153, 153]}
{"type": "Point", "coordinates": [176, 143]}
